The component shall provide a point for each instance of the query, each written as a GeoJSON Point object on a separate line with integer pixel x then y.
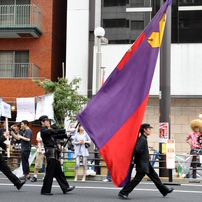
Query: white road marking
{"type": "Point", "coordinates": [108, 188]}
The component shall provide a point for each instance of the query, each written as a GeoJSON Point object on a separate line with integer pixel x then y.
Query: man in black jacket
{"type": "Point", "coordinates": [49, 137]}
{"type": "Point", "coordinates": [4, 167]}
{"type": "Point", "coordinates": [143, 166]}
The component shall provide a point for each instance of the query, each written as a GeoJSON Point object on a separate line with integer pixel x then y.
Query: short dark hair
{"type": "Point", "coordinates": [144, 126]}
{"type": "Point", "coordinates": [25, 122]}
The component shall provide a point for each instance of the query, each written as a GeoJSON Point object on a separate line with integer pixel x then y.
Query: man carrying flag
{"type": "Point", "coordinates": [143, 166]}
{"type": "Point", "coordinates": [114, 116]}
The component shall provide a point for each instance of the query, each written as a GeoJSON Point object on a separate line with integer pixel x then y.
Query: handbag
{"type": "Point", "coordinates": [87, 145]}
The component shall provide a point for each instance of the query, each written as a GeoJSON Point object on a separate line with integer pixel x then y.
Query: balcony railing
{"type": "Point", "coordinates": [19, 70]}
{"type": "Point", "coordinates": [20, 16]}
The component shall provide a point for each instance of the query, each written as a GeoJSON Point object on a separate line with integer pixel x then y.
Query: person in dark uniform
{"type": "Point", "coordinates": [143, 166]}
{"type": "Point", "coordinates": [4, 167]}
{"type": "Point", "coordinates": [49, 137]}
{"type": "Point", "coordinates": [2, 130]}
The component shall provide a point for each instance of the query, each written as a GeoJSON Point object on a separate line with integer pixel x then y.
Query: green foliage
{"type": "Point", "coordinates": [67, 101]}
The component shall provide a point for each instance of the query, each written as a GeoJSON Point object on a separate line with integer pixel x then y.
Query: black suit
{"type": "Point", "coordinates": [4, 167]}
{"type": "Point", "coordinates": [143, 167]}
{"type": "Point", "coordinates": [53, 164]}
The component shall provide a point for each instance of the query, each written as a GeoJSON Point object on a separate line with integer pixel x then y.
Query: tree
{"type": "Point", "coordinates": [67, 101]}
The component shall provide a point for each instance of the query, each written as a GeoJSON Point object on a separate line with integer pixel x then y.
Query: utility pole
{"type": "Point", "coordinates": [164, 94]}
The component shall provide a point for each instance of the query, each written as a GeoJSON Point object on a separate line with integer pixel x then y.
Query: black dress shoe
{"type": "Point", "coordinates": [123, 196]}
{"type": "Point", "coordinates": [19, 186]}
{"type": "Point", "coordinates": [68, 189]}
{"type": "Point", "coordinates": [168, 192]}
{"type": "Point", "coordinates": [34, 179]}
{"type": "Point", "coordinates": [47, 194]}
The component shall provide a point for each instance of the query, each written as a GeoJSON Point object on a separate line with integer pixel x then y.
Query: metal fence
{"type": "Point", "coordinates": [20, 16]}
{"type": "Point", "coordinates": [19, 70]}
{"type": "Point", "coordinates": [196, 171]}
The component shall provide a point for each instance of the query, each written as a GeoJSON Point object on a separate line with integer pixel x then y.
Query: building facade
{"type": "Point", "coordinates": [32, 46]}
{"type": "Point", "coordinates": [123, 21]}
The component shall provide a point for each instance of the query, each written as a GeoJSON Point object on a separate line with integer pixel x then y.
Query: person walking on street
{"type": "Point", "coordinates": [4, 167]}
{"type": "Point", "coordinates": [143, 166]}
{"type": "Point", "coordinates": [49, 137]}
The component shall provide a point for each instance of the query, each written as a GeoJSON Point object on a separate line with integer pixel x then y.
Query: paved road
{"type": "Point", "coordinates": [97, 191]}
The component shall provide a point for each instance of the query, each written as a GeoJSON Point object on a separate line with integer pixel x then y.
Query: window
{"type": "Point", "coordinates": [186, 20]}
{"type": "Point", "coordinates": [10, 14]}
{"type": "Point", "coordinates": [189, 2]}
{"type": "Point", "coordinates": [137, 3]}
{"type": "Point", "coordinates": [108, 3]}
{"type": "Point", "coordinates": [14, 2]}
{"type": "Point", "coordinates": [137, 25]}
{"type": "Point", "coordinates": [115, 23]}
{"type": "Point", "coordinates": [126, 41]}
{"type": "Point", "coordinates": [14, 64]}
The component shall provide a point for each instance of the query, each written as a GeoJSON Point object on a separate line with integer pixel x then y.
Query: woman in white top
{"type": "Point", "coordinates": [81, 140]}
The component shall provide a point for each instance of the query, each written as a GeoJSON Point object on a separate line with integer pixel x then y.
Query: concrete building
{"type": "Point", "coordinates": [32, 46]}
{"type": "Point", "coordinates": [123, 21]}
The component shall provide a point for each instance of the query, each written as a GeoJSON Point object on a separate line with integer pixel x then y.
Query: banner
{"type": "Point", "coordinates": [163, 132]}
{"type": "Point", "coordinates": [170, 154]}
{"type": "Point", "coordinates": [45, 106]}
{"type": "Point", "coordinates": [25, 109]}
{"type": "Point", "coordinates": [6, 110]}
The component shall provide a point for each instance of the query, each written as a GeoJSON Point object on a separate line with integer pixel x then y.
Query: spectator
{"type": "Point", "coordinates": [15, 129]}
{"type": "Point", "coordinates": [71, 133]}
{"type": "Point", "coordinates": [26, 140]}
{"type": "Point", "coordinates": [191, 139]}
{"type": "Point", "coordinates": [108, 177]}
{"type": "Point", "coordinates": [82, 142]}
{"type": "Point", "coordinates": [40, 157]}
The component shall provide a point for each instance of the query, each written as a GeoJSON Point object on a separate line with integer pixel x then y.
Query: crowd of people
{"type": "Point", "coordinates": [48, 152]}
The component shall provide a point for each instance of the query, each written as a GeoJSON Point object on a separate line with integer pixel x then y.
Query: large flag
{"type": "Point", "coordinates": [114, 116]}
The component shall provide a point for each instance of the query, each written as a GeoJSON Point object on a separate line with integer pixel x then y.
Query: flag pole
{"type": "Point", "coordinates": [164, 95]}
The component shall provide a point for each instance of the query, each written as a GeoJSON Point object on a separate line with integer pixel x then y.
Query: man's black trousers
{"type": "Point", "coordinates": [25, 161]}
{"type": "Point", "coordinates": [54, 170]}
{"type": "Point", "coordinates": [7, 171]}
{"type": "Point", "coordinates": [137, 179]}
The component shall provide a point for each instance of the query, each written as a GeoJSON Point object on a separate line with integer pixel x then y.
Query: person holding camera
{"type": "Point", "coordinates": [49, 137]}
{"type": "Point", "coordinates": [82, 142]}
{"type": "Point", "coordinates": [15, 129]}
